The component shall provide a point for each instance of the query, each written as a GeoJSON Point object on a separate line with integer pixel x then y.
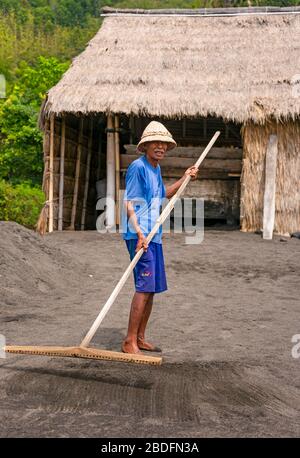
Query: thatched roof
{"type": "Point", "coordinates": [236, 67]}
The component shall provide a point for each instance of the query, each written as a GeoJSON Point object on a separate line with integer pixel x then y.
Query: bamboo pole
{"type": "Point", "coordinates": [110, 173]}
{"type": "Point", "coordinates": [87, 175]}
{"type": "Point", "coordinates": [61, 174]}
{"type": "Point", "coordinates": [42, 222]}
{"type": "Point", "coordinates": [117, 172]}
{"type": "Point", "coordinates": [51, 164]}
{"type": "Point", "coordinates": [163, 216]}
{"type": "Point", "coordinates": [46, 151]}
{"type": "Point", "coordinates": [77, 173]}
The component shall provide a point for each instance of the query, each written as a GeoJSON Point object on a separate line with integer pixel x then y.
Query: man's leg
{"type": "Point", "coordinates": [142, 344]}
{"type": "Point", "coordinates": [138, 308]}
{"type": "Point", "coordinates": [145, 317]}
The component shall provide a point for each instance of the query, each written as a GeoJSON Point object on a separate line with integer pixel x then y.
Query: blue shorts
{"type": "Point", "coordinates": [149, 273]}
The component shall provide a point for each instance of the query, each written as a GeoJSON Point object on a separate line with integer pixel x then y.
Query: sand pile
{"type": "Point", "coordinates": [30, 265]}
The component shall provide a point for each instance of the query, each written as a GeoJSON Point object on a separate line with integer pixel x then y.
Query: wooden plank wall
{"type": "Point", "coordinates": [190, 132]}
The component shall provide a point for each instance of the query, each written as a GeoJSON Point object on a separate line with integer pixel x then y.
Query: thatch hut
{"type": "Point", "coordinates": [197, 71]}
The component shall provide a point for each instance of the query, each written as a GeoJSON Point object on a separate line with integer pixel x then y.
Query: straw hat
{"type": "Point", "coordinates": [156, 131]}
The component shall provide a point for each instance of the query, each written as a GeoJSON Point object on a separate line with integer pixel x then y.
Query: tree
{"type": "Point", "coordinates": [21, 140]}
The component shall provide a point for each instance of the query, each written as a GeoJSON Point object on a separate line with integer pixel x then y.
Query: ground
{"type": "Point", "coordinates": [225, 326]}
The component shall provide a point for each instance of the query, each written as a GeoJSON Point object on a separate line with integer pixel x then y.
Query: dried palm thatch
{"type": "Point", "coordinates": [41, 225]}
{"type": "Point", "coordinates": [240, 68]}
{"type": "Point", "coordinates": [287, 198]}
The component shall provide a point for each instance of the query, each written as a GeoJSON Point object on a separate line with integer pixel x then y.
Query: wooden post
{"type": "Point", "coordinates": [226, 131]}
{"type": "Point", "coordinates": [99, 153]}
{"type": "Point", "coordinates": [131, 127]}
{"type": "Point", "coordinates": [184, 127]}
{"type": "Point", "coordinates": [117, 160]}
{"type": "Point", "coordinates": [61, 174]}
{"type": "Point", "coordinates": [77, 173]}
{"type": "Point", "coordinates": [110, 173]}
{"type": "Point", "coordinates": [51, 171]}
{"type": "Point", "coordinates": [270, 188]}
{"type": "Point", "coordinates": [204, 128]}
{"type": "Point", "coordinates": [87, 175]}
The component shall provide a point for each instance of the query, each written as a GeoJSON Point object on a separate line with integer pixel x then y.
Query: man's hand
{"type": "Point", "coordinates": [142, 242]}
{"type": "Point", "coordinates": [173, 188]}
{"type": "Point", "coordinates": [192, 171]}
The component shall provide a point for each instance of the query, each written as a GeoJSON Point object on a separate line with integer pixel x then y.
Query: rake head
{"type": "Point", "coordinates": [83, 352]}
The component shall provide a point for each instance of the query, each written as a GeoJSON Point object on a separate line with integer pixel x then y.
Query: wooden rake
{"type": "Point", "coordinates": [84, 351]}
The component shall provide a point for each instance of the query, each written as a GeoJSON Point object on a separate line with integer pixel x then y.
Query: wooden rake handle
{"type": "Point", "coordinates": [163, 216]}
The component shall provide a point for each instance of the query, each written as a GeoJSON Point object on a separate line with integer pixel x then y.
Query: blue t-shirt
{"type": "Point", "coordinates": [145, 188]}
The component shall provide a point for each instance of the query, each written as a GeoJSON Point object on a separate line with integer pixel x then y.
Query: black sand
{"type": "Point", "coordinates": [225, 326]}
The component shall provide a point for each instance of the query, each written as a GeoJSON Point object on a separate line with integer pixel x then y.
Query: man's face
{"type": "Point", "coordinates": [156, 150]}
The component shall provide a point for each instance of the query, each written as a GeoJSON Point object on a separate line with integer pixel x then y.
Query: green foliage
{"type": "Point", "coordinates": [21, 203]}
{"type": "Point", "coordinates": [21, 140]}
{"type": "Point", "coordinates": [67, 13]}
{"type": "Point", "coordinates": [39, 39]}
{"type": "Point", "coordinates": [39, 33]}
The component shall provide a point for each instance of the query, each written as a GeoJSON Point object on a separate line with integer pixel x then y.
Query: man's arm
{"type": "Point", "coordinates": [142, 242]}
{"type": "Point", "coordinates": [173, 188]}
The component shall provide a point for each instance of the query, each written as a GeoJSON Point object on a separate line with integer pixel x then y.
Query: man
{"type": "Point", "coordinates": [142, 201]}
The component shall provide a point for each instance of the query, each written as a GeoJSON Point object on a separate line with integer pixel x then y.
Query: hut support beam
{"type": "Point", "coordinates": [117, 159]}
{"type": "Point", "coordinates": [110, 173]}
{"type": "Point", "coordinates": [131, 128]}
{"type": "Point", "coordinates": [61, 174]}
{"type": "Point", "coordinates": [270, 188]}
{"type": "Point", "coordinates": [99, 140]}
{"type": "Point", "coordinates": [51, 171]}
{"type": "Point", "coordinates": [87, 175]}
{"type": "Point", "coordinates": [184, 127]}
{"type": "Point", "coordinates": [77, 173]}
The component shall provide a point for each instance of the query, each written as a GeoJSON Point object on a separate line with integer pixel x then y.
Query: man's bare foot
{"type": "Point", "coordinates": [129, 347]}
{"type": "Point", "coordinates": [143, 345]}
